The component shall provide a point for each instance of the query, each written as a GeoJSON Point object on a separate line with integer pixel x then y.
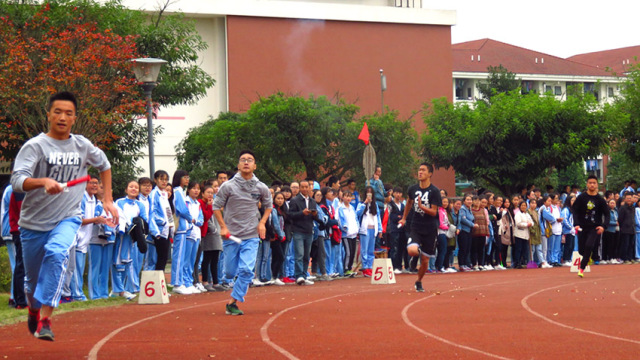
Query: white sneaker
{"type": "Point", "coordinates": [546, 266]}
{"type": "Point", "coordinates": [488, 267]}
{"type": "Point", "coordinates": [270, 282]}
{"type": "Point", "coordinates": [300, 281]}
{"type": "Point", "coordinates": [308, 282]}
{"type": "Point", "coordinates": [451, 270]}
{"type": "Point", "coordinates": [278, 282]}
{"type": "Point", "coordinates": [566, 263]}
{"type": "Point", "coordinates": [127, 295]}
{"type": "Point", "coordinates": [604, 262]}
{"type": "Point", "coordinates": [179, 289]}
{"type": "Point", "coordinates": [476, 268]}
{"type": "Point", "coordinates": [192, 290]}
{"type": "Point", "coordinates": [397, 271]}
{"type": "Point", "coordinates": [311, 277]}
{"type": "Point", "coordinates": [200, 287]}
{"type": "Point", "coordinates": [257, 282]}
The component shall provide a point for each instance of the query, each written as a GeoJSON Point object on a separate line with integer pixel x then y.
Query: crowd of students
{"type": "Point", "coordinates": [317, 233]}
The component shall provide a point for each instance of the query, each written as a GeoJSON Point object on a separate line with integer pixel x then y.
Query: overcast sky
{"type": "Point", "coordinates": [561, 27]}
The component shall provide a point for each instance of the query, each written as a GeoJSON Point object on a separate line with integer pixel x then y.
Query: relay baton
{"type": "Point", "coordinates": [74, 182]}
{"type": "Point", "coordinates": [234, 238]}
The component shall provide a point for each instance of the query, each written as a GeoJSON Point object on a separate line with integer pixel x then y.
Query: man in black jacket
{"type": "Point", "coordinates": [590, 216]}
{"type": "Point", "coordinates": [302, 211]}
{"type": "Point", "coordinates": [627, 221]}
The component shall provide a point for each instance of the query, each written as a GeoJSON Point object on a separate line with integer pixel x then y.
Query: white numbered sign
{"type": "Point", "coordinates": [382, 272]}
{"type": "Point", "coordinates": [575, 263]}
{"type": "Point", "coordinates": [153, 289]}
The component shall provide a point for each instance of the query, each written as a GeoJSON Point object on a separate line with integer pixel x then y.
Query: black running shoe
{"type": "Point", "coordinates": [419, 287]}
{"type": "Point", "coordinates": [44, 330]}
{"type": "Point", "coordinates": [32, 321]}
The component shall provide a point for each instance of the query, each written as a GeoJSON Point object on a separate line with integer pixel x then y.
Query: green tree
{"type": "Point", "coordinates": [621, 168]}
{"type": "Point", "coordinates": [629, 105]}
{"type": "Point", "coordinates": [517, 137]}
{"type": "Point", "coordinates": [85, 46]}
{"type": "Point", "coordinates": [499, 81]}
{"type": "Point", "coordinates": [293, 135]}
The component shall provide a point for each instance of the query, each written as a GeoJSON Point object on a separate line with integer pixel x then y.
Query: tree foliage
{"type": "Point", "coordinates": [499, 81]}
{"type": "Point", "coordinates": [629, 105]}
{"type": "Point", "coordinates": [85, 46]}
{"type": "Point", "coordinates": [511, 141]}
{"type": "Point", "coordinates": [293, 135]}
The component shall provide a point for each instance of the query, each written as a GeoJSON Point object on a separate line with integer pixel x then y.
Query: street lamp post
{"type": "Point", "coordinates": [147, 71]}
{"type": "Point", "coordinates": [383, 87]}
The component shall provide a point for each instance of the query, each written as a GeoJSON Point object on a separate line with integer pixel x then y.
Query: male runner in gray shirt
{"type": "Point", "coordinates": [50, 217]}
{"type": "Point", "coordinates": [239, 198]}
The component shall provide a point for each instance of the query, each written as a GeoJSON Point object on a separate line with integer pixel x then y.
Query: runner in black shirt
{"type": "Point", "coordinates": [424, 199]}
{"type": "Point", "coordinates": [591, 216]}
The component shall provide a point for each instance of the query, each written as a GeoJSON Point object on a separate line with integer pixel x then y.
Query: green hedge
{"type": "Point", "coordinates": [5, 270]}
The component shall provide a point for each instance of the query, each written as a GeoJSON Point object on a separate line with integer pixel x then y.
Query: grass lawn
{"type": "Point", "coordinates": [9, 315]}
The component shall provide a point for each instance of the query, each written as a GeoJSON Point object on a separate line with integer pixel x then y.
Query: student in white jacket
{"type": "Point", "coordinates": [521, 233]}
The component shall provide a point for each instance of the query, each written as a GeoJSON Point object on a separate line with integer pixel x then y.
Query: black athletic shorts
{"type": "Point", "coordinates": [426, 241]}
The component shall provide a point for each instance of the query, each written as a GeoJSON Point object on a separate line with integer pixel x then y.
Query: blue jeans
{"type": "Point", "coordinates": [240, 260]}
{"type": "Point", "coordinates": [46, 256]}
{"type": "Point", "coordinates": [263, 261]}
{"type": "Point", "coordinates": [302, 249]}
{"type": "Point", "coordinates": [442, 250]}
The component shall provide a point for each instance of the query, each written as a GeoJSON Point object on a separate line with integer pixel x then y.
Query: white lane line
{"type": "Point", "coordinates": [634, 297]}
{"type": "Point", "coordinates": [405, 317]}
{"type": "Point", "coordinates": [264, 330]}
{"type": "Point", "coordinates": [93, 353]}
{"type": "Point", "coordinates": [537, 314]}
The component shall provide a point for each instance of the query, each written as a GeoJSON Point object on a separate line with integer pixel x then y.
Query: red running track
{"type": "Point", "coordinates": [514, 314]}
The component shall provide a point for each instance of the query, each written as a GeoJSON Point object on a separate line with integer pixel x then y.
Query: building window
{"type": "Point", "coordinates": [558, 90]}
{"type": "Point", "coordinates": [527, 86]}
{"type": "Point", "coordinates": [610, 92]}
{"type": "Point", "coordinates": [469, 94]}
{"type": "Point", "coordinates": [548, 89]}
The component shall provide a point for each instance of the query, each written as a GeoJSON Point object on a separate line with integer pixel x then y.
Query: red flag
{"type": "Point", "coordinates": [364, 134]}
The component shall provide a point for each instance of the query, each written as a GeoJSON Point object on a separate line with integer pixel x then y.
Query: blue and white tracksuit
{"type": "Point", "coordinates": [100, 258]}
{"type": "Point", "coordinates": [90, 209]}
{"type": "Point", "coordinates": [6, 231]}
{"type": "Point", "coordinates": [151, 256]}
{"type": "Point", "coordinates": [545, 215]}
{"type": "Point", "coordinates": [554, 243]}
{"type": "Point", "coordinates": [123, 262]}
{"type": "Point", "coordinates": [637, 233]}
{"type": "Point", "coordinates": [185, 239]}
{"type": "Point", "coordinates": [194, 236]}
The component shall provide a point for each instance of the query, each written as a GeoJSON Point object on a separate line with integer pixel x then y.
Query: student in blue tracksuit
{"type": "Point", "coordinates": [161, 219]}
{"type": "Point", "coordinates": [151, 256]}
{"type": "Point", "coordinates": [185, 220]}
{"type": "Point", "coordinates": [91, 217]}
{"type": "Point", "coordinates": [191, 226]}
{"type": "Point", "coordinates": [6, 235]}
{"type": "Point", "coordinates": [101, 245]}
{"type": "Point", "coordinates": [348, 219]}
{"type": "Point", "coordinates": [546, 219]}
{"type": "Point", "coordinates": [129, 208]}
